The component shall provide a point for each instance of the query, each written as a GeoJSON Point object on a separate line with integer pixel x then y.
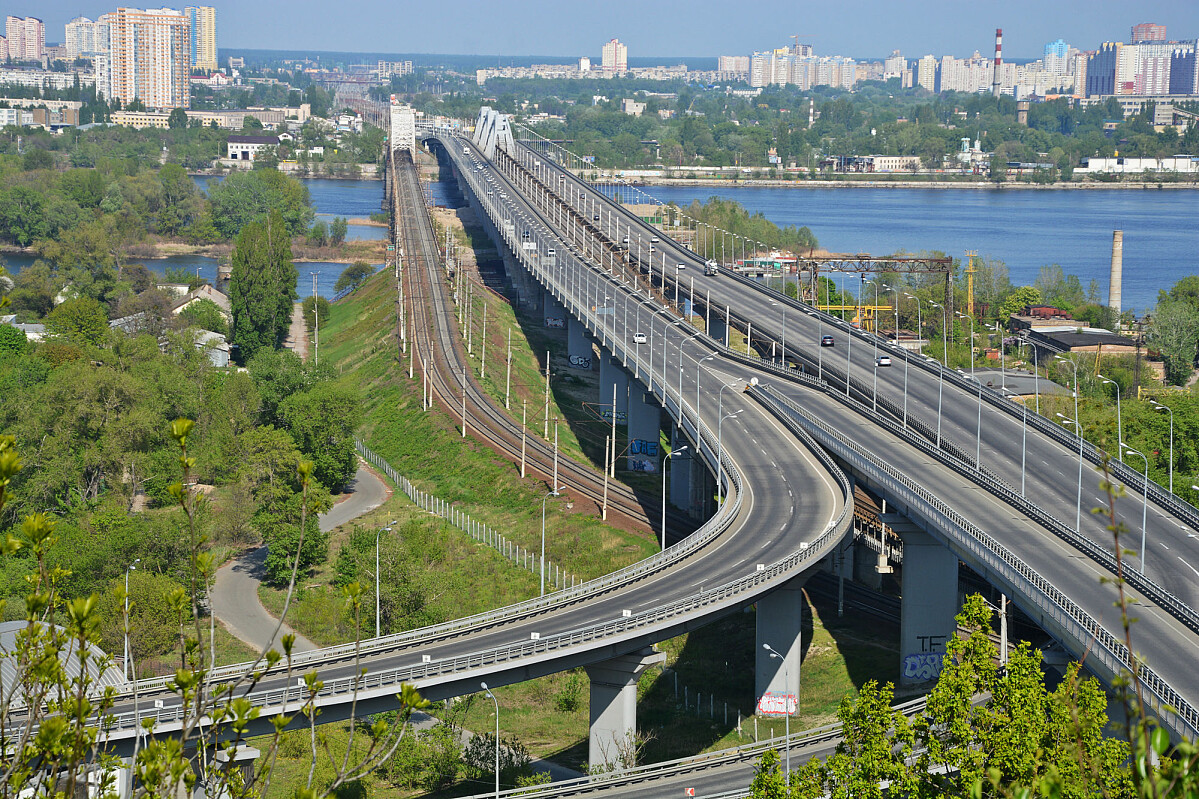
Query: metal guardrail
{"type": "Point", "coordinates": [1164, 700]}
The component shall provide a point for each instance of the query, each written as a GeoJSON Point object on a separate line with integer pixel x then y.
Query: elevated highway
{"type": "Point", "coordinates": [964, 494]}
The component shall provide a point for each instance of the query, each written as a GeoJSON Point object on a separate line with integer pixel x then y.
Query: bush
{"type": "Point", "coordinates": [353, 276]}
{"type": "Point", "coordinates": [569, 697]}
{"type": "Point", "coordinates": [315, 308]}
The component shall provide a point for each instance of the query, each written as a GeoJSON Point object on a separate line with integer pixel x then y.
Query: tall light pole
{"type": "Point", "coordinates": [1119, 415]}
{"type": "Point", "coordinates": [698, 370]}
{"type": "Point", "coordinates": [377, 534]}
{"type": "Point", "coordinates": [786, 703]}
{"type": "Point", "coordinates": [1036, 374]}
{"type": "Point", "coordinates": [487, 691]}
{"type": "Point", "coordinates": [1078, 509]}
{"type": "Point", "coordinates": [553, 493]}
{"type": "Point", "coordinates": [131, 567]}
{"type": "Point", "coordinates": [720, 455]}
{"type": "Point", "coordinates": [1023, 442]}
{"type": "Point", "coordinates": [944, 359]}
{"type": "Point", "coordinates": [665, 461]}
{"type": "Point", "coordinates": [1170, 411]}
{"type": "Point", "coordinates": [971, 347]}
{"type": "Point", "coordinates": [819, 344]}
{"type": "Point", "coordinates": [1144, 499]}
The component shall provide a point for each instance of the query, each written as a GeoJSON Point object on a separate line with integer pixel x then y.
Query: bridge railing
{"type": "Point", "coordinates": [954, 454]}
{"type": "Point", "coordinates": [1172, 709]}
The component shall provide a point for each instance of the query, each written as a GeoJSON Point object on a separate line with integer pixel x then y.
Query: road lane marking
{"type": "Point", "coordinates": [1189, 566]}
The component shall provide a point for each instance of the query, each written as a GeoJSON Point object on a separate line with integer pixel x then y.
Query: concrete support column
{"type": "Point", "coordinates": [719, 328]}
{"type": "Point", "coordinates": [680, 477]}
{"type": "Point", "coordinates": [780, 624]}
{"type": "Point", "coordinates": [644, 421]}
{"type": "Point", "coordinates": [613, 375]}
{"type": "Point", "coordinates": [930, 601]}
{"type": "Point", "coordinates": [552, 310]}
{"type": "Point", "coordinates": [578, 345]}
{"type": "Point", "coordinates": [703, 487]}
{"type": "Point", "coordinates": [614, 708]}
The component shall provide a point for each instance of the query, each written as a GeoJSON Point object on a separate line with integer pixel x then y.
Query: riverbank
{"type": "Point", "coordinates": [975, 185]}
{"type": "Point", "coordinates": [369, 250]}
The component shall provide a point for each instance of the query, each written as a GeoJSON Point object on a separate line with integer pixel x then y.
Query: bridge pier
{"type": "Point", "coordinates": [612, 744]}
{"type": "Point", "coordinates": [613, 376]}
{"type": "Point", "coordinates": [553, 312]}
{"type": "Point", "coordinates": [719, 329]}
{"type": "Point", "coordinates": [780, 625]}
{"type": "Point", "coordinates": [578, 345]}
{"type": "Point", "coordinates": [929, 586]}
{"type": "Point", "coordinates": [680, 476]}
{"type": "Point", "coordinates": [644, 421]}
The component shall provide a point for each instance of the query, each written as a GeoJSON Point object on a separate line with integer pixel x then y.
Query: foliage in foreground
{"type": "Point", "coordinates": [55, 706]}
{"type": "Point", "coordinates": [996, 731]}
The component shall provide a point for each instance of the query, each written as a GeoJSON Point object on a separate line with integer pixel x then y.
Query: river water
{"type": "Point", "coordinates": [351, 199]}
{"type": "Point", "coordinates": [1025, 229]}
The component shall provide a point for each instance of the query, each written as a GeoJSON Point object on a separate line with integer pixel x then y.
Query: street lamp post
{"type": "Point", "coordinates": [487, 691]}
{"type": "Point", "coordinates": [1170, 411]}
{"type": "Point", "coordinates": [553, 493]}
{"type": "Point", "coordinates": [819, 345]}
{"type": "Point", "coordinates": [665, 461]}
{"type": "Point", "coordinates": [720, 455]}
{"type": "Point", "coordinates": [971, 347]}
{"type": "Point", "coordinates": [1002, 356]}
{"type": "Point", "coordinates": [944, 359]}
{"type": "Point", "coordinates": [1119, 415]}
{"type": "Point", "coordinates": [787, 704]}
{"type": "Point", "coordinates": [1078, 508]}
{"type": "Point", "coordinates": [131, 567]}
{"type": "Point", "coordinates": [1144, 499]}
{"type": "Point", "coordinates": [1023, 442]}
{"type": "Point", "coordinates": [377, 534]}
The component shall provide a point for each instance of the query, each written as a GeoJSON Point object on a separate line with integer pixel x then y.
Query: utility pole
{"type": "Point", "coordinates": [546, 432]}
{"type": "Point", "coordinates": [316, 325]}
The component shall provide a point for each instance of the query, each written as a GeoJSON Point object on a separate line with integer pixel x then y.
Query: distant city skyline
{"type": "Point", "coordinates": [704, 28]}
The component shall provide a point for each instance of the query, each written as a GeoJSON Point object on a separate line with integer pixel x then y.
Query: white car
{"type": "Point", "coordinates": [682, 266]}
{"type": "Point", "coordinates": [883, 360]}
{"type": "Point", "coordinates": [638, 338]}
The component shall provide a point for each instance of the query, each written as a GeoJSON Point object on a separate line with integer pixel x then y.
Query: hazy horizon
{"type": "Point", "coordinates": [668, 32]}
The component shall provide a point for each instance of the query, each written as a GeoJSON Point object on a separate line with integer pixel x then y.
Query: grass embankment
{"type": "Point", "coordinates": [548, 715]}
{"type": "Point", "coordinates": [428, 448]}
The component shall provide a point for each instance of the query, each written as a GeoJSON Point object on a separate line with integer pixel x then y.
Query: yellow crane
{"type": "Point", "coordinates": [970, 270]}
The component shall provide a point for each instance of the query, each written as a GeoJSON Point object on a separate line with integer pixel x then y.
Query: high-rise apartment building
{"type": "Point", "coordinates": [203, 36]}
{"type": "Point", "coordinates": [1184, 70]}
{"type": "Point", "coordinates": [1148, 32]}
{"type": "Point", "coordinates": [926, 73]}
{"type": "Point", "coordinates": [144, 55]}
{"type": "Point", "coordinates": [1102, 69]}
{"type": "Point", "coordinates": [1057, 58]}
{"type": "Point", "coordinates": [615, 57]}
{"type": "Point", "coordinates": [3, 48]}
{"type": "Point", "coordinates": [26, 38]}
{"type": "Point", "coordinates": [80, 39]}
{"type": "Point", "coordinates": [736, 64]}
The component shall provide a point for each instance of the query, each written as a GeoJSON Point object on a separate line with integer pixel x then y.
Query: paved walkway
{"type": "Point", "coordinates": [235, 600]}
{"type": "Point", "coordinates": [297, 334]}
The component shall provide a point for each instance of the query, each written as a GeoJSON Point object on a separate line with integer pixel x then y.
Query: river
{"type": "Point", "coordinates": [1025, 229]}
{"type": "Point", "coordinates": [351, 199]}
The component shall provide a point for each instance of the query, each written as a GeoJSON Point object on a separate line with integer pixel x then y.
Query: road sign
{"type": "Point", "coordinates": [391, 248]}
{"type": "Point", "coordinates": [777, 705]}
{"type": "Point", "coordinates": [691, 792]}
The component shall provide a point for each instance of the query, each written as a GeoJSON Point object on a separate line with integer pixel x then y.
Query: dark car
{"type": "Point", "coordinates": [826, 341]}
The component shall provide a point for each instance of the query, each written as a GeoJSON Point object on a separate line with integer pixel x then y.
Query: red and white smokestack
{"type": "Point", "coordinates": [995, 83]}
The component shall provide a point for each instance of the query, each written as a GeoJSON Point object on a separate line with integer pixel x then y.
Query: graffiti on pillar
{"type": "Point", "coordinates": [580, 361]}
{"type": "Point", "coordinates": [642, 465]}
{"type": "Point", "coordinates": [923, 666]}
{"type": "Point", "coordinates": [621, 416]}
{"type": "Point", "coordinates": [777, 704]}
{"type": "Point", "coordinates": [927, 663]}
{"type": "Point", "coordinates": [642, 447]}
{"type": "Point", "coordinates": [555, 321]}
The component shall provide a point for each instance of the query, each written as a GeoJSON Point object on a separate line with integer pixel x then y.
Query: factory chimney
{"type": "Point", "coordinates": [995, 82]}
{"type": "Point", "coordinates": [1117, 276]}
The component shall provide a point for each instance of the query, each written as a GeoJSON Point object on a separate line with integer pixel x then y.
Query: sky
{"type": "Point", "coordinates": [671, 29]}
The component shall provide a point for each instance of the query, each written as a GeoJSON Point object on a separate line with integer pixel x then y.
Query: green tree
{"type": "Point", "coordinates": [262, 288]}
{"type": "Point", "coordinates": [1175, 333]}
{"type": "Point", "coordinates": [337, 231]}
{"type": "Point", "coordinates": [244, 197]}
{"type": "Point", "coordinates": [318, 234]}
{"type": "Point", "coordinates": [12, 341]}
{"type": "Point", "coordinates": [353, 276]}
{"type": "Point", "coordinates": [206, 315]}
{"type": "Point", "coordinates": [315, 308]}
{"type": "Point", "coordinates": [322, 422]}
{"type": "Point", "coordinates": [82, 320]}
{"type": "Point", "coordinates": [1017, 300]}
{"type": "Point", "coordinates": [177, 119]}
{"type": "Point", "coordinates": [278, 374]}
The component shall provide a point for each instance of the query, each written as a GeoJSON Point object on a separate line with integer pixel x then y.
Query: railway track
{"type": "Point", "coordinates": [437, 351]}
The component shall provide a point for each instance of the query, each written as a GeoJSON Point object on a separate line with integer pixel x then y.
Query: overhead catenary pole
{"type": "Point", "coordinates": [508, 376]}
{"type": "Point", "coordinates": [546, 432]}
